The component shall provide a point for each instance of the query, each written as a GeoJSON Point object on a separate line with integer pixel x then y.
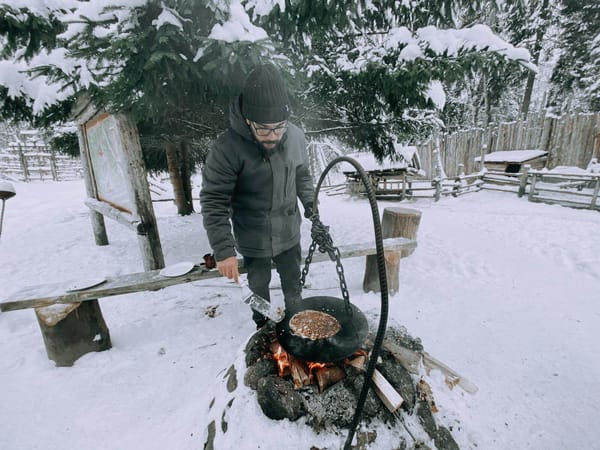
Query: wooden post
{"type": "Point", "coordinates": [532, 187]}
{"type": "Point", "coordinates": [72, 330]}
{"type": "Point", "coordinates": [396, 222]}
{"type": "Point", "coordinates": [24, 165]}
{"type": "Point", "coordinates": [595, 194]}
{"type": "Point", "coordinates": [437, 184]}
{"type": "Point", "coordinates": [98, 226]}
{"type": "Point", "coordinates": [148, 237]}
{"type": "Point", "coordinates": [53, 168]}
{"type": "Point", "coordinates": [523, 180]}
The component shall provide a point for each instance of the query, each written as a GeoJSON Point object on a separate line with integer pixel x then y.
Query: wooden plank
{"type": "Point", "coordinates": [386, 392]}
{"type": "Point", "coordinates": [108, 210]}
{"type": "Point", "coordinates": [554, 201]}
{"type": "Point", "coordinates": [412, 360]}
{"type": "Point", "coordinates": [564, 192]}
{"type": "Point", "coordinates": [50, 294]}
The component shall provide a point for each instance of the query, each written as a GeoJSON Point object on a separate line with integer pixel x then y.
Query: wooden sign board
{"type": "Point", "coordinates": [116, 179]}
{"type": "Point", "coordinates": [109, 163]}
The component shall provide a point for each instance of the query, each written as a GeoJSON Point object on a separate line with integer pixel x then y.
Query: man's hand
{"type": "Point", "coordinates": [229, 268]}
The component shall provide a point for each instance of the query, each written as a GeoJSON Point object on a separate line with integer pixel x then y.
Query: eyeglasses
{"type": "Point", "coordinates": [263, 131]}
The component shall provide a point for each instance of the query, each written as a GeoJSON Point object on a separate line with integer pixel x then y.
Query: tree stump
{"type": "Point", "coordinates": [72, 330]}
{"type": "Point", "coordinates": [396, 222]}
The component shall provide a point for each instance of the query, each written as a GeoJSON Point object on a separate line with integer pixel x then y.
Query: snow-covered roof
{"type": "Point", "coordinates": [512, 156]}
{"type": "Point", "coordinates": [368, 161]}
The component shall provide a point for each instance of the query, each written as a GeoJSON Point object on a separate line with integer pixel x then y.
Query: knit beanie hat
{"type": "Point", "coordinates": [264, 98]}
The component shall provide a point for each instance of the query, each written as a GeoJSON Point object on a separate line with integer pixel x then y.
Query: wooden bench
{"type": "Point", "coordinates": [72, 323]}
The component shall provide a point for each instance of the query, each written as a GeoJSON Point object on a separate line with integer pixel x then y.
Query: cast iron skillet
{"type": "Point", "coordinates": [353, 332]}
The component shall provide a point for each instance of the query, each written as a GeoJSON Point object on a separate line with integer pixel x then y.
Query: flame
{"type": "Point", "coordinates": [285, 361]}
{"type": "Point", "coordinates": [281, 357]}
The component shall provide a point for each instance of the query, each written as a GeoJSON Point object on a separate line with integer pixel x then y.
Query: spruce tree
{"type": "Point", "coordinates": [576, 76]}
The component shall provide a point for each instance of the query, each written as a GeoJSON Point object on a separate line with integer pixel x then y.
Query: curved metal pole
{"type": "Point", "coordinates": [382, 282]}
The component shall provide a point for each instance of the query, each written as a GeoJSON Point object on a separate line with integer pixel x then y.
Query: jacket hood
{"type": "Point", "coordinates": [237, 121]}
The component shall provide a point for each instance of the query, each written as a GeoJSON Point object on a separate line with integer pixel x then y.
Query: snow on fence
{"type": "Point", "coordinates": [36, 162]}
{"type": "Point", "coordinates": [408, 186]}
{"type": "Point", "coordinates": [572, 190]}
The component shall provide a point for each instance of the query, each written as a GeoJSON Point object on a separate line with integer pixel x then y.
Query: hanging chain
{"type": "Point", "coordinates": [322, 239]}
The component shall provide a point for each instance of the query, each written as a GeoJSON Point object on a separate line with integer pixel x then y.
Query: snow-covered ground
{"type": "Point", "coordinates": [504, 291]}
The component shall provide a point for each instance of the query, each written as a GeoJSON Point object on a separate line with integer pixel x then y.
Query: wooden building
{"type": "Point", "coordinates": [511, 161]}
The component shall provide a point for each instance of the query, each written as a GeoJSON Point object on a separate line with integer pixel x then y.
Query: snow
{"type": "Point", "coordinates": [168, 17]}
{"type": "Point", "coordinates": [512, 155]}
{"type": "Point", "coordinates": [368, 161]}
{"type": "Point", "coordinates": [238, 27]}
{"type": "Point", "coordinates": [435, 91]}
{"type": "Point", "coordinates": [502, 290]}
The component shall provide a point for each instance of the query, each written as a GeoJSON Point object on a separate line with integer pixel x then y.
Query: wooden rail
{"type": "Point", "coordinates": [51, 294]}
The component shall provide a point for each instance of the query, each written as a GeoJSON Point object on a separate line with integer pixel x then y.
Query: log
{"type": "Point", "coordinates": [328, 376]}
{"type": "Point", "coordinates": [299, 373]}
{"type": "Point", "coordinates": [70, 331]}
{"type": "Point", "coordinates": [396, 222]}
{"type": "Point", "coordinates": [386, 392]}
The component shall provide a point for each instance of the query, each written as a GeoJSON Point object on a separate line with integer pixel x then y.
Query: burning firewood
{"type": "Point", "coordinates": [299, 373]}
{"type": "Point", "coordinates": [328, 376]}
{"type": "Point", "coordinates": [358, 361]}
{"type": "Point", "coordinates": [282, 359]}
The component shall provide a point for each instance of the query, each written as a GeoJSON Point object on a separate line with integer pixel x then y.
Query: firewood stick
{"type": "Point", "coordinates": [386, 392]}
{"type": "Point", "coordinates": [411, 360]}
{"type": "Point", "coordinates": [463, 382]}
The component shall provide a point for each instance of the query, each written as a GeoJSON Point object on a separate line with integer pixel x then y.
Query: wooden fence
{"type": "Point", "coordinates": [570, 140]}
{"type": "Point", "coordinates": [35, 162]}
{"type": "Point", "coordinates": [575, 190]}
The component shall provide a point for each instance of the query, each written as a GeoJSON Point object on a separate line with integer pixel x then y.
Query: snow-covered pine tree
{"type": "Point", "coordinates": [527, 23]}
{"type": "Point", "coordinates": [576, 77]}
{"type": "Point", "coordinates": [378, 72]}
{"type": "Point", "coordinates": [154, 60]}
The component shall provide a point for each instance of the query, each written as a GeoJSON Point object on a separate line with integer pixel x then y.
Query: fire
{"type": "Point", "coordinates": [282, 358]}
{"type": "Point", "coordinates": [304, 373]}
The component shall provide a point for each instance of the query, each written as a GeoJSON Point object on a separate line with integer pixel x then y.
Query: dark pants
{"type": "Point", "coordinates": [259, 276]}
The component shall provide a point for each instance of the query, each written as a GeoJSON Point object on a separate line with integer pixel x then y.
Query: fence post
{"type": "Point", "coordinates": [595, 194]}
{"type": "Point", "coordinates": [23, 162]}
{"type": "Point", "coordinates": [437, 184]}
{"type": "Point", "coordinates": [523, 180]}
{"type": "Point", "coordinates": [53, 166]}
{"type": "Point", "coordinates": [532, 187]}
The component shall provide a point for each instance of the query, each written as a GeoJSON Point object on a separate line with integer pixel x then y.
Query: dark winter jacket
{"type": "Point", "coordinates": [257, 189]}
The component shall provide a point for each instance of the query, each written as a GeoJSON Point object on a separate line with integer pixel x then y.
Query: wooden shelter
{"type": "Point", "coordinates": [511, 161]}
{"type": "Point", "coordinates": [388, 177]}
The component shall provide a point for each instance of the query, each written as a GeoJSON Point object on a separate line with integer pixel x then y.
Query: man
{"type": "Point", "coordinates": [254, 174]}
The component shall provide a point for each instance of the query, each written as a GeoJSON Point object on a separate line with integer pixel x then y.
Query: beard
{"type": "Point", "coordinates": [269, 147]}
